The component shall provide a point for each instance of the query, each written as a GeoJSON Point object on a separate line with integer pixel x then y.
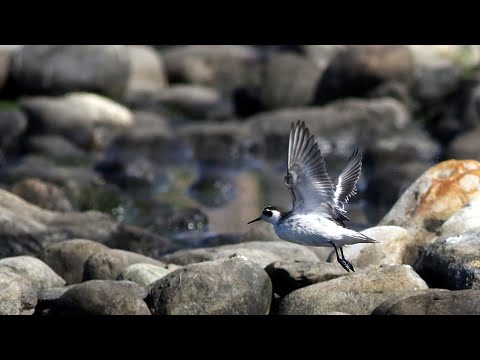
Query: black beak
{"type": "Point", "coordinates": [260, 218]}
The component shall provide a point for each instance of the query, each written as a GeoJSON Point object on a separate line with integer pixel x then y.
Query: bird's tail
{"type": "Point", "coordinates": [356, 237]}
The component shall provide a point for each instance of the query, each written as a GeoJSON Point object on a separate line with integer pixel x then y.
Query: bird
{"type": "Point", "coordinates": [318, 214]}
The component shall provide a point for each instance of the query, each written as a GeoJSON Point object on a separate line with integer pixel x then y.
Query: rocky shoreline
{"type": "Point", "coordinates": [128, 174]}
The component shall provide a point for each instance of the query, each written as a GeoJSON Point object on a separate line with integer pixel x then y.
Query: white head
{"type": "Point", "coordinates": [270, 214]}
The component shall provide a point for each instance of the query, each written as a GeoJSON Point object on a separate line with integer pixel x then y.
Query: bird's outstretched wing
{"type": "Point", "coordinates": [307, 179]}
{"type": "Point", "coordinates": [347, 181]}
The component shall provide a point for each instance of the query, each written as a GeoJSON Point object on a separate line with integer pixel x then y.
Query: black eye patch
{"type": "Point", "coordinates": [267, 213]}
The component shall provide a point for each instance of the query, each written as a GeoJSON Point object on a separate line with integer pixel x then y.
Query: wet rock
{"type": "Point", "coordinates": [288, 275]}
{"type": "Point", "coordinates": [357, 294]}
{"type": "Point", "coordinates": [355, 70]}
{"type": "Point", "coordinates": [396, 246]}
{"type": "Point", "coordinates": [465, 146]}
{"type": "Point", "coordinates": [67, 258]}
{"type": "Point", "coordinates": [260, 252]}
{"type": "Point", "coordinates": [40, 274]}
{"type": "Point", "coordinates": [452, 262]}
{"type": "Point", "coordinates": [101, 297]}
{"type": "Point", "coordinates": [289, 80]}
{"type": "Point", "coordinates": [56, 148]}
{"type": "Point", "coordinates": [32, 166]}
{"type": "Point", "coordinates": [26, 229]}
{"type": "Point", "coordinates": [13, 124]}
{"type": "Point", "coordinates": [89, 120]}
{"type": "Point", "coordinates": [108, 264]}
{"type": "Point", "coordinates": [17, 294]}
{"type": "Point", "coordinates": [143, 274]}
{"type": "Point", "coordinates": [46, 195]}
{"type": "Point", "coordinates": [226, 144]}
{"type": "Point", "coordinates": [338, 127]}
{"type": "Point", "coordinates": [233, 286]}
{"type": "Point", "coordinates": [435, 302]}
{"type": "Point", "coordinates": [58, 69]}
{"type": "Point", "coordinates": [224, 67]}
{"type": "Point", "coordinates": [434, 197]}
{"type": "Point", "coordinates": [147, 73]}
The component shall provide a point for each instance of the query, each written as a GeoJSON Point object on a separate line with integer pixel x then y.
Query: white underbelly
{"type": "Point", "coordinates": [309, 231]}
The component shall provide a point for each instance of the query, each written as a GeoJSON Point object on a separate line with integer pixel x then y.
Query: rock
{"type": "Point", "coordinates": [452, 262]}
{"type": "Point", "coordinates": [213, 190]}
{"type": "Point", "coordinates": [290, 275]}
{"type": "Point", "coordinates": [472, 112]}
{"type": "Point", "coordinates": [58, 69]}
{"type": "Point", "coordinates": [143, 274]}
{"type": "Point", "coordinates": [226, 144]}
{"type": "Point", "coordinates": [435, 196]}
{"type": "Point", "coordinates": [101, 297]}
{"type": "Point", "coordinates": [395, 90]}
{"type": "Point", "coordinates": [356, 69]}
{"type": "Point", "coordinates": [48, 297]}
{"type": "Point", "coordinates": [5, 60]}
{"type": "Point", "coordinates": [32, 166]}
{"type": "Point", "coordinates": [289, 81]}
{"type": "Point", "coordinates": [67, 258]}
{"type": "Point", "coordinates": [46, 195]}
{"type": "Point", "coordinates": [56, 148]}
{"type": "Point", "coordinates": [462, 222]}
{"type": "Point", "coordinates": [260, 252]}
{"type": "Point", "coordinates": [396, 246]}
{"type": "Point", "coordinates": [386, 305]}
{"type": "Point", "coordinates": [17, 294]}
{"type": "Point", "coordinates": [465, 146]}
{"type": "Point", "coordinates": [224, 67]}
{"type": "Point", "coordinates": [437, 75]}
{"type": "Point", "coordinates": [147, 73]}
{"type": "Point", "coordinates": [26, 229]}
{"type": "Point", "coordinates": [461, 302]}
{"type": "Point", "coordinates": [233, 286]}
{"type": "Point", "coordinates": [40, 274]}
{"type": "Point", "coordinates": [108, 264]}
{"type": "Point", "coordinates": [193, 101]}
{"type": "Point", "coordinates": [338, 127]}
{"type": "Point", "coordinates": [357, 294]}
{"type": "Point", "coordinates": [86, 119]}
{"type": "Point", "coordinates": [321, 55]}
{"type": "Point", "coordinates": [13, 124]}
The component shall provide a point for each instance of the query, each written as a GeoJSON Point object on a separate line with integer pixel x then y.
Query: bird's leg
{"type": "Point", "coordinates": [350, 266]}
{"type": "Point", "coordinates": [345, 264]}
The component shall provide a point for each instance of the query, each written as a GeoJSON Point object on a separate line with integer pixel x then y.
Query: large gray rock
{"type": "Point", "coordinates": [461, 302]}
{"type": "Point", "coordinates": [289, 81]}
{"type": "Point", "coordinates": [290, 275]}
{"type": "Point", "coordinates": [68, 258]}
{"type": "Point", "coordinates": [55, 147]}
{"type": "Point", "coordinates": [86, 119]}
{"type": "Point", "coordinates": [260, 252]}
{"type": "Point", "coordinates": [108, 264]}
{"type": "Point", "coordinates": [101, 297]}
{"type": "Point", "coordinates": [383, 308]}
{"type": "Point", "coordinates": [338, 126]}
{"type": "Point", "coordinates": [357, 293]}
{"type": "Point", "coordinates": [452, 262]}
{"type": "Point", "coordinates": [233, 286]}
{"type": "Point", "coordinates": [40, 274]}
{"type": "Point", "coordinates": [48, 298]}
{"type": "Point", "coordinates": [355, 70]}
{"type": "Point", "coordinates": [57, 69]}
{"type": "Point", "coordinates": [145, 274]}
{"type": "Point", "coordinates": [225, 67]}
{"type": "Point", "coordinates": [17, 294]}
{"type": "Point", "coordinates": [395, 245]}
{"type": "Point", "coordinates": [46, 195]}
{"type": "Point", "coordinates": [434, 197]}
{"type": "Point", "coordinates": [33, 166]}
{"type": "Point", "coordinates": [13, 124]}
{"type": "Point", "coordinates": [147, 73]}
{"type": "Point", "coordinates": [465, 146]}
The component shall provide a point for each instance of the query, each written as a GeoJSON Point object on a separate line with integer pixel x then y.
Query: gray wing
{"type": "Point", "coordinates": [307, 178]}
{"type": "Point", "coordinates": [347, 181]}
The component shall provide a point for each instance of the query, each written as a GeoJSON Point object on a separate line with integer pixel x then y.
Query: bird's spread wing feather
{"type": "Point", "coordinates": [307, 179]}
{"type": "Point", "coordinates": [347, 181]}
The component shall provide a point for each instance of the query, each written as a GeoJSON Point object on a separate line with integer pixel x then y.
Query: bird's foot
{"type": "Point", "coordinates": [346, 265]}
